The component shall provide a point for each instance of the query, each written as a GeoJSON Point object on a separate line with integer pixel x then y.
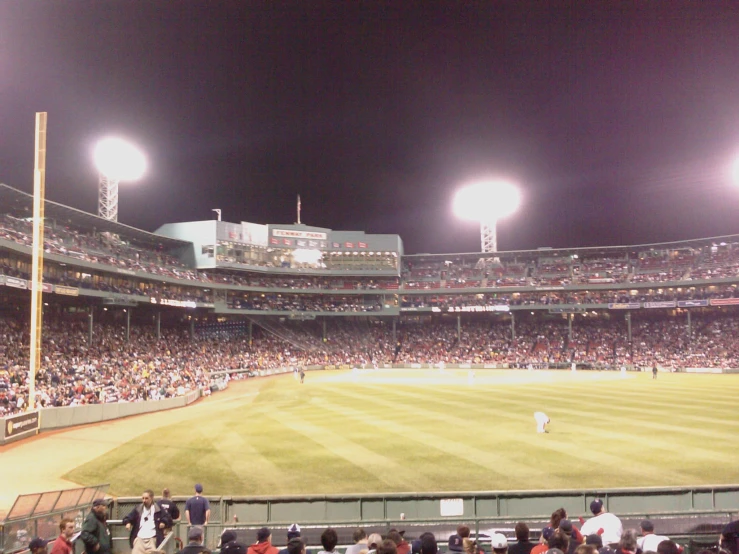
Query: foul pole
{"type": "Point", "coordinates": [37, 264]}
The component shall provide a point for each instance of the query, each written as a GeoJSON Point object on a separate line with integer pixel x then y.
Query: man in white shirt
{"type": "Point", "coordinates": [147, 523]}
{"type": "Point", "coordinates": [611, 525]}
{"type": "Point", "coordinates": [649, 541]}
{"type": "Point", "coordinates": [542, 420]}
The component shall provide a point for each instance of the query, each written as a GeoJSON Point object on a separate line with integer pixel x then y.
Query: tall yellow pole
{"type": "Point", "coordinates": [37, 268]}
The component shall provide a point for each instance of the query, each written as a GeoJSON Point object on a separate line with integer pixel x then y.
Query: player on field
{"type": "Point", "coordinates": [542, 420]}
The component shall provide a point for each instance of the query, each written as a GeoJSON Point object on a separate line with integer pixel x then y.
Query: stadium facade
{"type": "Point", "coordinates": [209, 271]}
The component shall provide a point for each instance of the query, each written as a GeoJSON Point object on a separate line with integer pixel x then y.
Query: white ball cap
{"type": "Point", "coordinates": [498, 541]}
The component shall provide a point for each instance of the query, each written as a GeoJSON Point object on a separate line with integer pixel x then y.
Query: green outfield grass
{"type": "Point", "coordinates": [421, 430]}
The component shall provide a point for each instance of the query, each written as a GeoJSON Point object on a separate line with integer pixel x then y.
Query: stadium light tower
{"type": "Point", "coordinates": [116, 160]}
{"type": "Point", "coordinates": [486, 202]}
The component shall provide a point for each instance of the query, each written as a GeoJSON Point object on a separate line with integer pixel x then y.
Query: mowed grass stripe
{"type": "Point", "coordinates": [521, 474]}
{"type": "Point", "coordinates": [616, 443]}
{"type": "Point", "coordinates": [674, 396]}
{"type": "Point", "coordinates": [533, 440]}
{"type": "Point", "coordinates": [456, 437]}
{"type": "Point", "coordinates": [622, 431]}
{"type": "Point", "coordinates": [594, 420]}
{"type": "Point", "coordinates": [388, 471]}
{"type": "Point", "coordinates": [552, 400]}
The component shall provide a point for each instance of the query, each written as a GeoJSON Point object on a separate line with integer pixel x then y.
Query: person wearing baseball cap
{"type": "Point", "coordinates": [293, 532]}
{"type": "Point", "coordinates": [543, 546]}
{"type": "Point", "coordinates": [499, 543]}
{"type": "Point", "coordinates": [197, 508]}
{"type": "Point", "coordinates": [649, 542]}
{"type": "Point", "coordinates": [38, 546]}
{"type": "Point", "coordinates": [263, 544]}
{"type": "Point", "coordinates": [603, 523]}
{"type": "Point", "coordinates": [95, 530]}
{"type": "Point", "coordinates": [455, 544]}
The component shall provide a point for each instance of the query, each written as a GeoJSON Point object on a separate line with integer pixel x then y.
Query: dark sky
{"type": "Point", "coordinates": [619, 120]}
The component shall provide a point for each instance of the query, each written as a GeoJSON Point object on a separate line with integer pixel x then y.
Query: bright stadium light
{"type": "Point", "coordinates": [486, 202]}
{"type": "Point", "coordinates": [116, 160]}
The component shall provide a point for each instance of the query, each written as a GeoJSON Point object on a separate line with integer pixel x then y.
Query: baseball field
{"type": "Point", "coordinates": [406, 430]}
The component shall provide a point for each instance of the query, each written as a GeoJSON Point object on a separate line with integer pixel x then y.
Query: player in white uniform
{"type": "Point", "coordinates": [541, 422]}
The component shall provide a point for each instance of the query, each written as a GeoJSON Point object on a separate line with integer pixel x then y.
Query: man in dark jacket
{"type": "Point", "coordinates": [95, 531]}
{"type": "Point", "coordinates": [168, 504]}
{"type": "Point", "coordinates": [147, 523]}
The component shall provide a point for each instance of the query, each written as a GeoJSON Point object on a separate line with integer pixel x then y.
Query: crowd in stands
{"type": "Point", "coordinates": [685, 264]}
{"type": "Point", "coordinates": [99, 248]}
{"type": "Point", "coordinates": [568, 297]}
{"type": "Point", "coordinates": [633, 266]}
{"type": "Point", "coordinates": [110, 369]}
{"type": "Point", "coordinates": [304, 302]}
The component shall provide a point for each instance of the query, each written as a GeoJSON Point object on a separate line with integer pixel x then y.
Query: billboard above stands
{"type": "Point", "coordinates": [724, 301]}
{"type": "Point", "coordinates": [624, 305]}
{"type": "Point", "coordinates": [296, 234]}
{"type": "Point", "coordinates": [253, 233]}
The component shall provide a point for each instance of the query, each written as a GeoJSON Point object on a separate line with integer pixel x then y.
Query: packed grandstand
{"type": "Point", "coordinates": [131, 315]}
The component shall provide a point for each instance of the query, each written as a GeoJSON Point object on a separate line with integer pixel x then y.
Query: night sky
{"type": "Point", "coordinates": [619, 120]}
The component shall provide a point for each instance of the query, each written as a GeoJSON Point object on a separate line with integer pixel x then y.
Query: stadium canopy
{"type": "Point", "coordinates": [20, 204]}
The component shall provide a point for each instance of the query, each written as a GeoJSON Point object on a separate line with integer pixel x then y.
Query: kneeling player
{"type": "Point", "coordinates": [541, 422]}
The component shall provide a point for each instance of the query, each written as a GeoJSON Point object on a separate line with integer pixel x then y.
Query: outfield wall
{"type": "Point", "coordinates": [69, 416]}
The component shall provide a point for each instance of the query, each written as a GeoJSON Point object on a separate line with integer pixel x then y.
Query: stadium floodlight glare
{"type": "Point", "coordinates": [116, 160]}
{"type": "Point", "coordinates": [486, 202]}
{"type": "Point", "coordinates": [735, 171]}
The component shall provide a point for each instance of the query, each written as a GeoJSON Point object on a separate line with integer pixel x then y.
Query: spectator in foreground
{"type": "Point", "coordinates": [329, 540]}
{"type": "Point", "coordinates": [169, 505]}
{"type": "Point", "coordinates": [543, 545]}
{"type": "Point", "coordinates": [649, 542]}
{"type": "Point", "coordinates": [387, 547]}
{"type": "Point", "coordinates": [565, 526]}
{"type": "Point", "coordinates": [295, 546]}
{"type": "Point", "coordinates": [359, 536]}
{"type": "Point", "coordinates": [729, 538]}
{"type": "Point", "coordinates": [373, 543]}
{"type": "Point", "coordinates": [63, 543]}
{"type": "Point", "coordinates": [628, 544]}
{"type": "Point", "coordinates": [263, 544]}
{"type": "Point", "coordinates": [146, 522]}
{"type": "Point", "coordinates": [95, 530]}
{"type": "Point", "coordinates": [559, 541]}
{"type": "Point", "coordinates": [401, 545]}
{"type": "Point", "coordinates": [293, 532]}
{"type": "Point", "coordinates": [229, 544]}
{"type": "Point", "coordinates": [428, 544]}
{"type": "Point", "coordinates": [523, 545]}
{"type": "Point", "coordinates": [586, 549]}
{"type": "Point", "coordinates": [668, 547]}
{"type": "Point", "coordinates": [499, 543]}
{"type": "Point", "coordinates": [611, 525]}
{"type": "Point", "coordinates": [37, 546]}
{"type": "Point", "coordinates": [197, 508]}
{"type": "Point", "coordinates": [195, 542]}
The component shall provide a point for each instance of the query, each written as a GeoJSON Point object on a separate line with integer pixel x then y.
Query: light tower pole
{"type": "Point", "coordinates": [486, 202]}
{"type": "Point", "coordinates": [108, 197]}
{"type": "Point", "coordinates": [116, 160]}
